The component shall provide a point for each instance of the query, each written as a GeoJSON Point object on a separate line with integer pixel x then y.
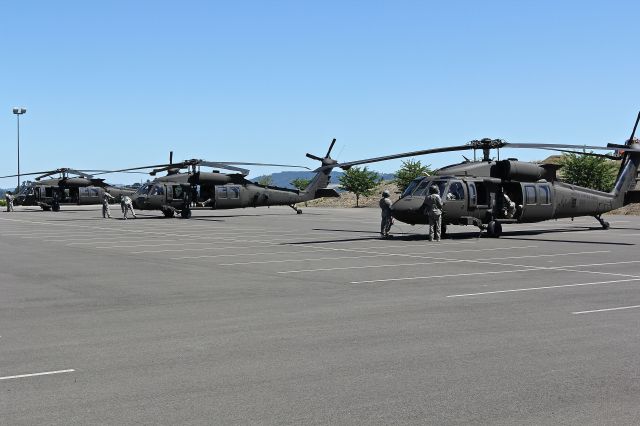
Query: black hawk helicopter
{"type": "Point", "coordinates": [181, 192]}
{"type": "Point", "coordinates": [473, 192]}
{"type": "Point", "coordinates": [70, 187]}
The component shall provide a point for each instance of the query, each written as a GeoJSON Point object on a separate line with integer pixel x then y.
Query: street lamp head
{"type": "Point", "coordinates": [19, 111]}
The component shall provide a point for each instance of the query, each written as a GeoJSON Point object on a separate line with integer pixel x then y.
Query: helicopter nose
{"type": "Point", "coordinates": [139, 202]}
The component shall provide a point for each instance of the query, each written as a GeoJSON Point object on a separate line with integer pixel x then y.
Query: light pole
{"type": "Point", "coordinates": [18, 112]}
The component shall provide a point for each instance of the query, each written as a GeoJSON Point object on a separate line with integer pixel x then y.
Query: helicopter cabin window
{"type": "Point", "coordinates": [93, 192]}
{"type": "Point", "coordinates": [422, 189]}
{"type": "Point", "coordinates": [545, 194]}
{"type": "Point", "coordinates": [177, 191]}
{"type": "Point", "coordinates": [234, 192]}
{"type": "Point", "coordinates": [222, 192]}
{"type": "Point", "coordinates": [157, 190]}
{"type": "Point", "coordinates": [455, 192]}
{"type": "Point", "coordinates": [530, 194]}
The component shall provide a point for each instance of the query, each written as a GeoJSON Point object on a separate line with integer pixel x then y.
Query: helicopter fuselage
{"type": "Point", "coordinates": [183, 191]}
{"type": "Point", "coordinates": [79, 191]}
{"type": "Point", "coordinates": [479, 200]}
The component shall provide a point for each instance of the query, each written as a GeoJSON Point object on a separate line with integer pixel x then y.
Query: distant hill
{"type": "Point", "coordinates": [283, 179]}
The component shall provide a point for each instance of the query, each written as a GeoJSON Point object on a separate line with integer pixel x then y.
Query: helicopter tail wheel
{"type": "Point", "coordinates": [185, 213]}
{"type": "Point", "coordinates": [603, 223]}
{"type": "Point", "coordinates": [494, 229]}
{"type": "Point", "coordinates": [298, 211]}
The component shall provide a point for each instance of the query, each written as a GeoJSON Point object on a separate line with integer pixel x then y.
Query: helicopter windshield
{"type": "Point", "coordinates": [411, 187]}
{"type": "Point", "coordinates": [423, 189]}
{"type": "Point", "coordinates": [144, 189]}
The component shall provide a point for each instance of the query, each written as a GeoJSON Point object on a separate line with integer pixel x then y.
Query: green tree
{"type": "Point", "coordinates": [300, 183]}
{"type": "Point", "coordinates": [265, 180]}
{"type": "Point", "coordinates": [410, 170]}
{"type": "Point", "coordinates": [588, 171]}
{"type": "Point", "coordinates": [360, 182]}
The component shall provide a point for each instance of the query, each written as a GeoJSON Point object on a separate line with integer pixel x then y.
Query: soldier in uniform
{"type": "Point", "coordinates": [106, 211]}
{"type": "Point", "coordinates": [433, 210]}
{"type": "Point", "coordinates": [127, 205]}
{"type": "Point", "coordinates": [387, 219]}
{"type": "Point", "coordinates": [8, 197]}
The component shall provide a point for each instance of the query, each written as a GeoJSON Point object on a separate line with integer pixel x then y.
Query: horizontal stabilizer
{"type": "Point", "coordinates": [326, 192]}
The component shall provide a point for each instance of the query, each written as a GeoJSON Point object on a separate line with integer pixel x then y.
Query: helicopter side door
{"type": "Point", "coordinates": [227, 196]}
{"type": "Point", "coordinates": [455, 204]}
{"type": "Point", "coordinates": [537, 201]}
{"type": "Point", "coordinates": [157, 197]}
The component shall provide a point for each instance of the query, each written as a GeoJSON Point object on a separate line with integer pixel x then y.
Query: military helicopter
{"type": "Point", "coordinates": [70, 187]}
{"type": "Point", "coordinates": [180, 192]}
{"type": "Point", "coordinates": [473, 192]}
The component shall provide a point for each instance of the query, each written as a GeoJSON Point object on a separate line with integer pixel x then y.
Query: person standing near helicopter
{"type": "Point", "coordinates": [387, 218]}
{"type": "Point", "coordinates": [106, 211]}
{"type": "Point", "coordinates": [433, 210]}
{"type": "Point", "coordinates": [8, 197]}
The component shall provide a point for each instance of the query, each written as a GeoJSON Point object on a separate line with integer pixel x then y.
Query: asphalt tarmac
{"type": "Point", "coordinates": [262, 316]}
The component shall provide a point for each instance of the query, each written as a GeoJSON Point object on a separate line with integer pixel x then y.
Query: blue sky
{"type": "Point", "coordinates": [113, 84]}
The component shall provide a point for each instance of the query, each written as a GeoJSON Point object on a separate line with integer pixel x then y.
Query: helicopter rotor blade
{"type": "Point", "coordinates": [333, 142]}
{"type": "Point", "coordinates": [590, 154]}
{"type": "Point", "coordinates": [396, 156]}
{"type": "Point", "coordinates": [554, 146]}
{"type": "Point", "coordinates": [137, 168]}
{"type": "Point", "coordinates": [239, 163]}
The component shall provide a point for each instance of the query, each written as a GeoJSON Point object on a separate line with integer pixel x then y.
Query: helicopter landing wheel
{"type": "Point", "coordinates": [185, 213]}
{"type": "Point", "coordinates": [494, 229]}
{"type": "Point", "coordinates": [55, 207]}
{"type": "Point", "coordinates": [603, 223]}
{"type": "Point", "coordinates": [443, 230]}
{"type": "Point", "coordinates": [167, 213]}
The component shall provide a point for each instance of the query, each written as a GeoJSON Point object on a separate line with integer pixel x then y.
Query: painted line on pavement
{"type": "Point", "coordinates": [442, 260]}
{"type": "Point", "coordinates": [46, 373]}
{"type": "Point", "coordinates": [606, 310]}
{"type": "Point", "coordinates": [550, 287]}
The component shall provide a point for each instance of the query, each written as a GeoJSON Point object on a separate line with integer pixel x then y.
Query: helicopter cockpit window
{"type": "Point", "coordinates": [422, 189]}
{"type": "Point", "coordinates": [455, 192]}
{"type": "Point", "coordinates": [411, 187]}
{"type": "Point", "coordinates": [157, 190]}
{"type": "Point", "coordinates": [144, 189]}
{"type": "Point", "coordinates": [234, 192]}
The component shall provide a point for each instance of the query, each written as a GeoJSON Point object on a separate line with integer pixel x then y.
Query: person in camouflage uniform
{"type": "Point", "coordinates": [433, 210]}
{"type": "Point", "coordinates": [387, 218]}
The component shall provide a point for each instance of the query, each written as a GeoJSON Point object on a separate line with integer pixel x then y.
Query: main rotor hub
{"type": "Point", "coordinates": [486, 145]}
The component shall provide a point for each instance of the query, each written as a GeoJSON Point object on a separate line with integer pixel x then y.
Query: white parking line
{"type": "Point", "coordinates": [441, 261]}
{"type": "Point", "coordinates": [606, 310]}
{"type": "Point", "coordinates": [46, 373]}
{"type": "Point", "coordinates": [542, 288]}
{"type": "Point", "coordinates": [526, 268]}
